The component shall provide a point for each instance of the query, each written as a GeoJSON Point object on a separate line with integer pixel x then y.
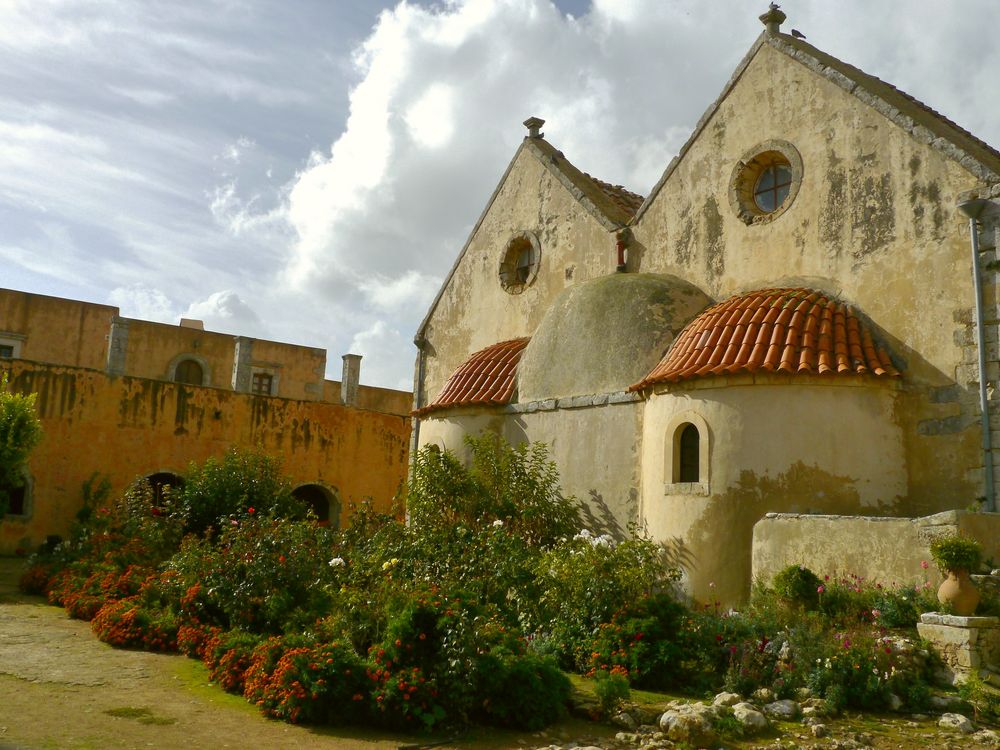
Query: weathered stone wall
{"type": "Point", "coordinates": [887, 550]}
{"type": "Point", "coordinates": [591, 439]}
{"type": "Point", "coordinates": [873, 222]}
{"type": "Point", "coordinates": [807, 444]}
{"type": "Point", "coordinates": [474, 310]}
{"type": "Point", "coordinates": [56, 330]}
{"type": "Point", "coordinates": [129, 427]}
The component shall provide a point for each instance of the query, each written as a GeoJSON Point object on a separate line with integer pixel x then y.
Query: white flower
{"type": "Point", "coordinates": [584, 534]}
{"type": "Point", "coordinates": [337, 562]}
{"type": "Point", "coordinates": [498, 523]}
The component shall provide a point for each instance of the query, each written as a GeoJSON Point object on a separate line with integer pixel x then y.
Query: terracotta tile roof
{"type": "Point", "coordinates": [625, 199]}
{"type": "Point", "coordinates": [487, 377]}
{"type": "Point", "coordinates": [773, 330]}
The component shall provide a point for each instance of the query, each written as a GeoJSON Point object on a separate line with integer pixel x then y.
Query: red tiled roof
{"type": "Point", "coordinates": [487, 377]}
{"type": "Point", "coordinates": [625, 199]}
{"type": "Point", "coordinates": [773, 330]}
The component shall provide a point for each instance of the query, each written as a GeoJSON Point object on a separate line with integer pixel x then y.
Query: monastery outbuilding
{"type": "Point", "coordinates": [786, 324]}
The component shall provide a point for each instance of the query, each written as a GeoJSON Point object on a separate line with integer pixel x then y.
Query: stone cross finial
{"type": "Point", "coordinates": [533, 124]}
{"type": "Point", "coordinates": [773, 19]}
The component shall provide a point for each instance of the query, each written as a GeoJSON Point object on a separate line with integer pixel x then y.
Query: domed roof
{"type": "Point", "coordinates": [776, 330]}
{"type": "Point", "coordinates": [487, 377]}
{"type": "Point", "coordinates": [599, 336]}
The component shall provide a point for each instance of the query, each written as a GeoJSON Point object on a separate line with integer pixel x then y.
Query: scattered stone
{"type": "Point", "coordinates": [750, 718]}
{"type": "Point", "coordinates": [987, 737]}
{"type": "Point", "coordinates": [803, 694]}
{"type": "Point", "coordinates": [787, 710]}
{"type": "Point", "coordinates": [762, 695]}
{"type": "Point", "coordinates": [819, 730]}
{"type": "Point", "coordinates": [625, 721]}
{"type": "Point", "coordinates": [727, 699]}
{"type": "Point", "coordinates": [957, 722]}
{"type": "Point", "coordinates": [690, 723]}
{"type": "Point", "coordinates": [895, 702]}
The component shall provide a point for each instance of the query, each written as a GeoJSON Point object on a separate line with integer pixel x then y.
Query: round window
{"type": "Point", "coordinates": [765, 181]}
{"type": "Point", "coordinates": [519, 264]}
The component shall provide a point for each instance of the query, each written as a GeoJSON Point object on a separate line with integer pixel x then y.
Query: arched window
{"type": "Point", "coordinates": [162, 482]}
{"type": "Point", "coordinates": [688, 454]}
{"type": "Point", "coordinates": [189, 371]}
{"type": "Point", "coordinates": [322, 501]}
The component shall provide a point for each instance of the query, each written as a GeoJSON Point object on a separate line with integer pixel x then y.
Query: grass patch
{"type": "Point", "coordinates": [194, 677]}
{"type": "Point", "coordinates": [141, 714]}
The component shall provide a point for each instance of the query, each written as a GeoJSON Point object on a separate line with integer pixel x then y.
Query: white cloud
{"type": "Point", "coordinates": [225, 312]}
{"type": "Point", "coordinates": [144, 302]}
{"type": "Point", "coordinates": [387, 356]}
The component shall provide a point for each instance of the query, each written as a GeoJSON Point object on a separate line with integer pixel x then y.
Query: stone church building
{"type": "Point", "coordinates": [785, 324]}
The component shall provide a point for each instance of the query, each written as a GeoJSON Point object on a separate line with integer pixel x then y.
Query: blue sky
{"type": "Point", "coordinates": [308, 171]}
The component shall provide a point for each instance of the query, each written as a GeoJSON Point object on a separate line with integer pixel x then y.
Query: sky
{"type": "Point", "coordinates": [308, 172]}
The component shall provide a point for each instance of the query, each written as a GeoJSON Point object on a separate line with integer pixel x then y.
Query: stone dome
{"type": "Point", "coordinates": [601, 336]}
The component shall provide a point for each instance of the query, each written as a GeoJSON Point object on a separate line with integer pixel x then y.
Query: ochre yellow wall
{"type": "Point", "coordinates": [153, 346]}
{"type": "Point", "coordinates": [302, 369]}
{"type": "Point", "coordinates": [129, 427]}
{"type": "Point", "coordinates": [57, 330]}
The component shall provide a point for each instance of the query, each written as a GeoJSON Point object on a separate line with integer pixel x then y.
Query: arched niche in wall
{"type": "Point", "coordinates": [323, 501]}
{"type": "Point", "coordinates": [190, 369]}
{"type": "Point", "coordinates": [687, 455]}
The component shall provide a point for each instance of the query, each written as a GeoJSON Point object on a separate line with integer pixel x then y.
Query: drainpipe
{"type": "Point", "coordinates": [418, 400]}
{"type": "Point", "coordinates": [973, 208]}
{"type": "Point", "coordinates": [621, 241]}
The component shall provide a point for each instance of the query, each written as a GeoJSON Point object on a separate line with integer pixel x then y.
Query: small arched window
{"type": "Point", "coordinates": [189, 371]}
{"type": "Point", "coordinates": [688, 454]}
{"type": "Point", "coordinates": [323, 503]}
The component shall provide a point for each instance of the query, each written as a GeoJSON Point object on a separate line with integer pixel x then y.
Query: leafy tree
{"type": "Point", "coordinates": [20, 432]}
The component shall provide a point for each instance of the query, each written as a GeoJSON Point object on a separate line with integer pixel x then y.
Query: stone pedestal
{"type": "Point", "coordinates": [967, 645]}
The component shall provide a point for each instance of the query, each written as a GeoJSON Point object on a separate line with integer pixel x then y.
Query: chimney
{"type": "Point", "coordinates": [773, 19]}
{"type": "Point", "coordinates": [350, 378]}
{"type": "Point", "coordinates": [534, 124]}
{"type": "Point", "coordinates": [198, 325]}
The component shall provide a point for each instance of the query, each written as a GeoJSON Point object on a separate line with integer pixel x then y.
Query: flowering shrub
{"type": "Point", "coordinates": [585, 581]}
{"type": "Point", "coordinates": [263, 661]}
{"type": "Point", "coordinates": [860, 672]}
{"type": "Point", "coordinates": [126, 623]}
{"type": "Point", "coordinates": [35, 579]}
{"type": "Point", "coordinates": [324, 683]}
{"type": "Point", "coordinates": [264, 575]}
{"type": "Point", "coordinates": [611, 688]}
{"type": "Point", "coordinates": [642, 643]}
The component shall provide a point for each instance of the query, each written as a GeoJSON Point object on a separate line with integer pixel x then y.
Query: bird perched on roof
{"type": "Point", "coordinates": [798, 34]}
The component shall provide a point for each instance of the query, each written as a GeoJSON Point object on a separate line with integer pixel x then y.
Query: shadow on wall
{"type": "Point", "coordinates": [721, 540]}
{"type": "Point", "coordinates": [598, 517]}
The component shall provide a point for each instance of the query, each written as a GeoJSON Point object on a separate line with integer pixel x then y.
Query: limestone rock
{"type": "Point", "coordinates": [819, 730]}
{"type": "Point", "coordinates": [727, 699]}
{"type": "Point", "coordinates": [895, 702]}
{"type": "Point", "coordinates": [957, 722]}
{"type": "Point", "coordinates": [787, 710]}
{"type": "Point", "coordinates": [625, 721]}
{"type": "Point", "coordinates": [987, 737]}
{"type": "Point", "coordinates": [750, 718]}
{"type": "Point", "coordinates": [763, 695]}
{"type": "Point", "coordinates": [691, 723]}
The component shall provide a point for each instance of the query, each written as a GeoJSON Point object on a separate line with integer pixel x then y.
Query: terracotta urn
{"type": "Point", "coordinates": [960, 592]}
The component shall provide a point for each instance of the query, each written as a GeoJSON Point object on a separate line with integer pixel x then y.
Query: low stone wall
{"type": "Point", "coordinates": [888, 550]}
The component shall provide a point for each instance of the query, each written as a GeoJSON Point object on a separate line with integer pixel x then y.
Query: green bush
{"type": "Point", "coordinates": [799, 586]}
{"type": "Point", "coordinates": [956, 552]}
{"type": "Point", "coordinates": [242, 484]}
{"type": "Point", "coordinates": [522, 692]}
{"type": "Point", "coordinates": [20, 432]}
{"type": "Point", "coordinates": [611, 688]}
{"type": "Point", "coordinates": [585, 581]}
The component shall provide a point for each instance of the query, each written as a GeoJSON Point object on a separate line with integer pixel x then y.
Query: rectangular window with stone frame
{"type": "Point", "coordinates": [262, 384]}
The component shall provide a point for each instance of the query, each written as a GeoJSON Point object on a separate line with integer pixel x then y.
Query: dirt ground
{"type": "Point", "coordinates": [61, 688]}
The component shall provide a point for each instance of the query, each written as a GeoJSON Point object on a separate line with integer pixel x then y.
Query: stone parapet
{"type": "Point", "coordinates": [965, 644]}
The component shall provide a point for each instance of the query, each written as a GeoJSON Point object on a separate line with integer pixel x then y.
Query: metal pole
{"type": "Point", "coordinates": [972, 209]}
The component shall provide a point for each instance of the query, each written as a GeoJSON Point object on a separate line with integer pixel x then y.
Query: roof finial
{"type": "Point", "coordinates": [533, 124]}
{"type": "Point", "coordinates": [773, 19]}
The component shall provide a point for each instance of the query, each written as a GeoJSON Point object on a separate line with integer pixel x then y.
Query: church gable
{"type": "Point", "coordinates": [547, 226]}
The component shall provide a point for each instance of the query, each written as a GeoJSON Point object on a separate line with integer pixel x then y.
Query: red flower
{"type": "Point", "coordinates": [250, 510]}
